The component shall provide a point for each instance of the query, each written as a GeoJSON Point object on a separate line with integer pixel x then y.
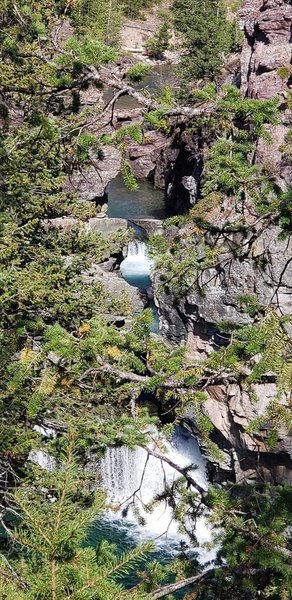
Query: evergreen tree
{"type": "Point", "coordinates": [134, 8]}
{"type": "Point", "coordinates": [45, 556]}
{"type": "Point", "coordinates": [63, 363]}
{"type": "Point", "coordinates": [206, 34]}
{"type": "Point", "coordinates": [156, 45]}
{"type": "Point", "coordinates": [103, 18]}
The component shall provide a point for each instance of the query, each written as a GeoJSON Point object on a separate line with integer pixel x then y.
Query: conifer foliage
{"type": "Point", "coordinates": [66, 366]}
{"type": "Point", "coordinates": [47, 522]}
{"type": "Point", "coordinates": [207, 36]}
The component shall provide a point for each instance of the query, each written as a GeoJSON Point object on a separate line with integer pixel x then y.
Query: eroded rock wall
{"type": "Point", "coordinates": [255, 260]}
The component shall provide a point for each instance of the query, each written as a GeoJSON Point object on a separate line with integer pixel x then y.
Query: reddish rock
{"type": "Point", "coordinates": [144, 157]}
{"type": "Point", "coordinates": [269, 153]}
{"type": "Point", "coordinates": [266, 49]}
{"type": "Point", "coordinates": [267, 28]}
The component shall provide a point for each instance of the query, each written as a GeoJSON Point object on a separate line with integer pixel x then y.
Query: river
{"type": "Point", "coordinates": [123, 471]}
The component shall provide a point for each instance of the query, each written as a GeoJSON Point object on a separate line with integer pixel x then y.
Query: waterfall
{"type": "Point", "coordinates": [137, 265]}
{"type": "Point", "coordinates": [124, 472]}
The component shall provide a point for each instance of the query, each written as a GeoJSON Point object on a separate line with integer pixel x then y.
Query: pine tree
{"type": "Point", "coordinates": [45, 524]}
{"type": "Point", "coordinates": [102, 18]}
{"type": "Point", "coordinates": [206, 34]}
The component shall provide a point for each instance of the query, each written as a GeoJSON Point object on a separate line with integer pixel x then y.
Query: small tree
{"type": "Point", "coordinates": [156, 45]}
{"type": "Point", "coordinates": [50, 520]}
{"type": "Point", "coordinates": [206, 34]}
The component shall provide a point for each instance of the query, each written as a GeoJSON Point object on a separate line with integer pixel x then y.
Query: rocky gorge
{"type": "Point", "coordinates": [255, 260]}
{"type": "Point", "coordinates": [263, 266]}
{"type": "Point", "coordinates": [146, 341]}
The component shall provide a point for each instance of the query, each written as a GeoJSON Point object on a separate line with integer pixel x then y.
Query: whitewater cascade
{"type": "Point", "coordinates": [136, 267]}
{"type": "Point", "coordinates": [122, 471]}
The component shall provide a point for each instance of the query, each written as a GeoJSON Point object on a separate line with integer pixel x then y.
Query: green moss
{"type": "Point", "coordinates": [205, 206]}
{"type": "Point", "coordinates": [157, 120]}
{"type": "Point", "coordinates": [284, 72]}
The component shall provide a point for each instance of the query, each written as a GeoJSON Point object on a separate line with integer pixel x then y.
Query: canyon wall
{"type": "Point", "coordinates": [255, 260]}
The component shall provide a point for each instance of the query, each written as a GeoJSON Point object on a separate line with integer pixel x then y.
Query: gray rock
{"type": "Point", "coordinates": [91, 183]}
{"type": "Point", "coordinates": [105, 225]}
{"type": "Point", "coordinates": [189, 182]}
{"type": "Point", "coordinates": [150, 226]}
{"type": "Point", "coordinates": [66, 224]}
{"type": "Point", "coordinates": [270, 154]}
{"type": "Point", "coordinates": [265, 271]}
{"type": "Point", "coordinates": [115, 286]}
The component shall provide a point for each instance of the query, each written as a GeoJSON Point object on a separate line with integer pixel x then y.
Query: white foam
{"type": "Point", "coordinates": [137, 261]}
{"type": "Point", "coordinates": [122, 471]}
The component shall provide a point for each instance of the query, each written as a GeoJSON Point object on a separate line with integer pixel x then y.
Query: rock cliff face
{"type": "Point", "coordinates": [267, 48]}
{"type": "Point", "coordinates": [266, 71]}
{"type": "Point", "coordinates": [179, 169]}
{"type": "Point", "coordinates": [254, 261]}
{"type": "Point", "coordinates": [90, 184]}
{"type": "Point", "coordinates": [231, 411]}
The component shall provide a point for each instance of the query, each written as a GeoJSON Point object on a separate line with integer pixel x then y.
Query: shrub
{"type": "Point", "coordinates": [138, 71]}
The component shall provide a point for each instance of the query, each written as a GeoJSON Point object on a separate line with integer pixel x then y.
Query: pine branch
{"type": "Point", "coordinates": [126, 560]}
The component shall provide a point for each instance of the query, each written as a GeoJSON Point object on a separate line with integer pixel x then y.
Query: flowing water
{"type": "Point", "coordinates": [133, 479]}
{"type": "Point", "coordinates": [147, 202]}
{"type": "Point", "coordinates": [136, 270]}
{"type": "Point", "coordinates": [136, 267]}
{"type": "Point", "coordinates": [160, 76]}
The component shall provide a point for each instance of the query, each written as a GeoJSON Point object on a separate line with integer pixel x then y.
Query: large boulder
{"type": "Point", "coordinates": [100, 224]}
{"type": "Point", "coordinates": [144, 156]}
{"type": "Point", "coordinates": [115, 286]}
{"type": "Point", "coordinates": [150, 226]}
{"type": "Point", "coordinates": [105, 225]}
{"type": "Point", "coordinates": [91, 182]}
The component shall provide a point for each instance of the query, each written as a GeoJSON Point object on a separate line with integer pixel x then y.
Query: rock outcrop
{"type": "Point", "coordinates": [116, 287]}
{"type": "Point", "coordinates": [266, 72]}
{"type": "Point", "coordinates": [256, 263]}
{"type": "Point", "coordinates": [100, 224]}
{"type": "Point", "coordinates": [245, 456]}
{"type": "Point", "coordinates": [91, 182]}
{"type": "Point", "coordinates": [267, 48]}
{"type": "Point", "coordinates": [252, 261]}
{"type": "Point", "coordinates": [231, 412]}
{"type": "Point", "coordinates": [182, 163]}
{"type": "Point", "coordinates": [144, 157]}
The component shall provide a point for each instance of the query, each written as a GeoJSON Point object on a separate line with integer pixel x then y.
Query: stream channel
{"type": "Point", "coordinates": [121, 469]}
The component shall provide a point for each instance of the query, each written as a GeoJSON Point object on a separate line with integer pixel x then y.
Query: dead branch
{"type": "Point", "coordinates": [182, 470]}
{"type": "Point", "coordinates": [203, 578]}
{"type": "Point", "coordinates": [179, 585]}
{"type": "Point", "coordinates": [106, 77]}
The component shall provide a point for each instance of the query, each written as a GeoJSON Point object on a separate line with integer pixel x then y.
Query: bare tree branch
{"type": "Point", "coordinates": [182, 470]}
{"type": "Point", "coordinates": [107, 77]}
{"type": "Point", "coordinates": [179, 585]}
